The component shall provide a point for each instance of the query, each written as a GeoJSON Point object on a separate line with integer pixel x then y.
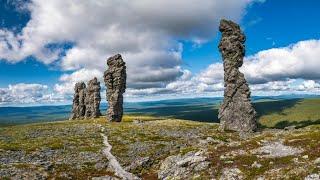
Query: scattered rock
{"type": "Point", "coordinates": [183, 166]}
{"type": "Point", "coordinates": [105, 178]}
{"type": "Point", "coordinates": [276, 149]}
{"type": "Point", "coordinates": [256, 165]}
{"type": "Point", "coordinates": [100, 165]}
{"type": "Point", "coordinates": [231, 174]}
{"type": "Point", "coordinates": [305, 157]}
{"type": "Point", "coordinates": [141, 162]}
{"type": "Point", "coordinates": [312, 177]}
{"type": "Point", "coordinates": [93, 99]}
{"type": "Point", "coordinates": [236, 112]}
{"type": "Point", "coordinates": [115, 80]}
{"type": "Point", "coordinates": [78, 106]}
{"type": "Point", "coordinates": [317, 161]}
{"type": "Point", "coordinates": [290, 128]}
{"type": "Point", "coordinates": [137, 121]}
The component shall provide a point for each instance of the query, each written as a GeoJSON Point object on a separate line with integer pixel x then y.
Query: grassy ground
{"type": "Point", "coordinates": [281, 114]}
{"type": "Point", "coordinates": [72, 149]}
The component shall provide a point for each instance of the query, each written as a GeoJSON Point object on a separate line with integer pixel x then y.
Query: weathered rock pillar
{"type": "Point", "coordinates": [115, 80]}
{"type": "Point", "coordinates": [236, 112]}
{"type": "Point", "coordinates": [93, 99]}
{"type": "Point", "coordinates": [78, 106]}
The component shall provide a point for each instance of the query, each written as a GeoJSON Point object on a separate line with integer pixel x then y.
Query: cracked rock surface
{"type": "Point", "coordinates": [236, 112]}
{"type": "Point", "coordinates": [78, 106]}
{"type": "Point", "coordinates": [93, 99]}
{"type": "Point", "coordinates": [115, 80]}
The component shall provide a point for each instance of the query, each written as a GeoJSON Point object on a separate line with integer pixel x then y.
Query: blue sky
{"type": "Point", "coordinates": [170, 47]}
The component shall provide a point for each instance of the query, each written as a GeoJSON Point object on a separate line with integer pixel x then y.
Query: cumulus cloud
{"type": "Point", "coordinates": [147, 33]}
{"type": "Point", "coordinates": [67, 81]}
{"type": "Point", "coordinates": [27, 94]}
{"type": "Point", "coordinates": [300, 60]}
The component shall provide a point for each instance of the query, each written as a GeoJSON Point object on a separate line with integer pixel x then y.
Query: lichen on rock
{"type": "Point", "coordinates": [236, 112]}
{"type": "Point", "coordinates": [115, 80]}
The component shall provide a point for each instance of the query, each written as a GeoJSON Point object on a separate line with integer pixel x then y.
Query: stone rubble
{"type": "Point", "coordinates": [183, 166]}
{"type": "Point", "coordinates": [276, 149]}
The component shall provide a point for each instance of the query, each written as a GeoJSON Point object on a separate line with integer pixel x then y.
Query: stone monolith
{"type": "Point", "coordinates": [93, 99]}
{"type": "Point", "coordinates": [236, 112]}
{"type": "Point", "coordinates": [115, 80]}
{"type": "Point", "coordinates": [78, 106]}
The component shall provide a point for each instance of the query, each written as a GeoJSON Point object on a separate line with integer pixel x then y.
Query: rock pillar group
{"type": "Point", "coordinates": [86, 100]}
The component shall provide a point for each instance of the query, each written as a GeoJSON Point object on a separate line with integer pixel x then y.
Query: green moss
{"type": "Point", "coordinates": [184, 151]}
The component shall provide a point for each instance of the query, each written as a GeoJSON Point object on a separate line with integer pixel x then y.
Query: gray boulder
{"type": "Point", "coordinates": [115, 80]}
{"type": "Point", "coordinates": [236, 112]}
{"type": "Point", "coordinates": [183, 166]}
{"type": "Point", "coordinates": [78, 106]}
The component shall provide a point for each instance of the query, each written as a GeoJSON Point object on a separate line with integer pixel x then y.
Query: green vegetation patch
{"type": "Point", "coordinates": [280, 114]}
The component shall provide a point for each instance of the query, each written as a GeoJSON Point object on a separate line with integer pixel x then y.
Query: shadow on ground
{"type": "Point", "coordinates": [209, 113]}
{"type": "Point", "coordinates": [297, 124]}
{"type": "Point", "coordinates": [270, 107]}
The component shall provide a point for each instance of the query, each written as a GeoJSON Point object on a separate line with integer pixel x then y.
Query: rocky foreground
{"type": "Point", "coordinates": [151, 148]}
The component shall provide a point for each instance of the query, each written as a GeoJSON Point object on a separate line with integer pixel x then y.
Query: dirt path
{"type": "Point", "coordinates": [113, 162]}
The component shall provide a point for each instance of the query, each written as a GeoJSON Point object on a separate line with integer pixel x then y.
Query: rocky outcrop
{"type": "Point", "coordinates": [236, 112]}
{"type": "Point", "coordinates": [115, 80]}
{"type": "Point", "coordinates": [78, 106]}
{"type": "Point", "coordinates": [93, 99]}
{"type": "Point", "coordinates": [183, 166]}
{"type": "Point", "coordinates": [276, 149]}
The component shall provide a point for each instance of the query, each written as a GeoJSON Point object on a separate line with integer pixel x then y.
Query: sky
{"type": "Point", "coordinates": [170, 47]}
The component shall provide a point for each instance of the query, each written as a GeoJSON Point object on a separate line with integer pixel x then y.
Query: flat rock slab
{"type": "Point", "coordinates": [183, 166]}
{"type": "Point", "coordinates": [276, 149]}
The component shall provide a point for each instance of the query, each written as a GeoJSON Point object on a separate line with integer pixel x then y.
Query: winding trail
{"type": "Point", "coordinates": [113, 162]}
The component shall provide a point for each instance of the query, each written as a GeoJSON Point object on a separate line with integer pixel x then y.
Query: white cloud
{"type": "Point", "coordinates": [67, 81]}
{"type": "Point", "coordinates": [146, 33]}
{"type": "Point", "coordinates": [300, 60]}
{"type": "Point", "coordinates": [309, 85]}
{"type": "Point", "coordinates": [27, 94]}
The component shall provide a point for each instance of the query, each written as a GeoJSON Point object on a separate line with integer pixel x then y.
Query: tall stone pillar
{"type": "Point", "coordinates": [93, 99]}
{"type": "Point", "coordinates": [115, 80]}
{"type": "Point", "coordinates": [236, 112]}
{"type": "Point", "coordinates": [78, 106]}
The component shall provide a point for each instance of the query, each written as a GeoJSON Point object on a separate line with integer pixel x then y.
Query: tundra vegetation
{"type": "Point", "coordinates": [148, 146]}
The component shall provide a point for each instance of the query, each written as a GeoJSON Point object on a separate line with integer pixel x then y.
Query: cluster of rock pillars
{"type": "Point", "coordinates": [236, 112]}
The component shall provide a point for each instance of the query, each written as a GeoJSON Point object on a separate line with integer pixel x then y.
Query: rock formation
{"type": "Point", "coordinates": [93, 99]}
{"type": "Point", "coordinates": [236, 112]}
{"type": "Point", "coordinates": [78, 106]}
{"type": "Point", "coordinates": [115, 80]}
